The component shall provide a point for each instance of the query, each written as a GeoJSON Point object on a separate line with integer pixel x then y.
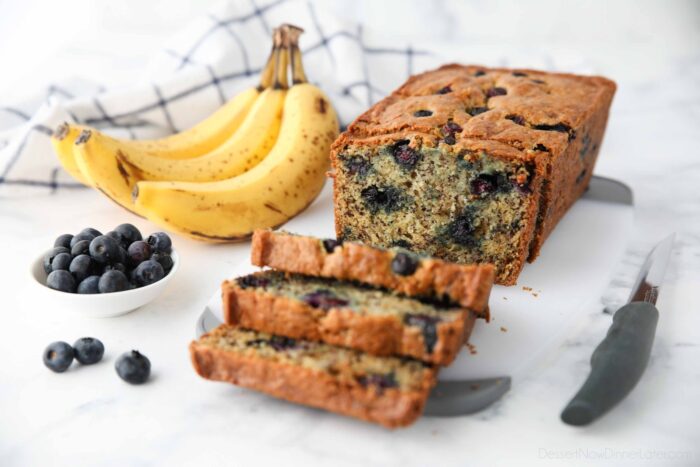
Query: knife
{"type": "Point", "coordinates": [620, 359]}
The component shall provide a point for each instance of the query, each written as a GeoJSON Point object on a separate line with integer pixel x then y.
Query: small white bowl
{"type": "Point", "coordinates": [99, 305]}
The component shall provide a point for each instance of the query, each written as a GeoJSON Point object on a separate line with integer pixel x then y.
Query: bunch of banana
{"type": "Point", "coordinates": [271, 166]}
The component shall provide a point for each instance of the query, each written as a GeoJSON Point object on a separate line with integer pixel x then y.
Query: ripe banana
{"type": "Point", "coordinates": [272, 192]}
{"type": "Point", "coordinates": [62, 141]}
{"type": "Point", "coordinates": [115, 168]}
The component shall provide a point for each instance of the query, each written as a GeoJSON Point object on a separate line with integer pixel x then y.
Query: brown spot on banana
{"type": "Point", "coordinates": [83, 137]}
{"type": "Point", "coordinates": [321, 105]}
{"type": "Point", "coordinates": [61, 131]}
{"type": "Point", "coordinates": [274, 208]}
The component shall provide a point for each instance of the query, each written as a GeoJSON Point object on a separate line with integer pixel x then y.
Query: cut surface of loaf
{"type": "Point", "coordinates": [385, 390]}
{"type": "Point", "coordinates": [346, 314]}
{"type": "Point", "coordinates": [470, 164]}
{"type": "Point", "coordinates": [468, 285]}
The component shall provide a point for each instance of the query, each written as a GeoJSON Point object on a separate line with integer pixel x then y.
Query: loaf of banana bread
{"type": "Point", "coordinates": [346, 314]}
{"type": "Point", "coordinates": [394, 269]}
{"type": "Point", "coordinates": [385, 390]}
{"type": "Point", "coordinates": [470, 164]}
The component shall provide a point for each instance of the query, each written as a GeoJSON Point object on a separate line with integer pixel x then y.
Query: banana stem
{"type": "Point", "coordinates": [282, 59]}
{"type": "Point", "coordinates": [293, 33]}
{"type": "Point", "coordinates": [268, 72]}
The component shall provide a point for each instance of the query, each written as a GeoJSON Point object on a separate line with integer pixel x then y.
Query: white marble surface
{"type": "Point", "coordinates": [87, 416]}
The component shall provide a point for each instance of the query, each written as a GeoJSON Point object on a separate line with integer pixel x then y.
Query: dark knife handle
{"type": "Point", "coordinates": [617, 363]}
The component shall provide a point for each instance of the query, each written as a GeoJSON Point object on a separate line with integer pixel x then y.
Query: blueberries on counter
{"type": "Point", "coordinates": [58, 356]}
{"type": "Point", "coordinates": [133, 367]}
{"type": "Point", "coordinates": [91, 262]}
{"type": "Point", "coordinates": [88, 350]}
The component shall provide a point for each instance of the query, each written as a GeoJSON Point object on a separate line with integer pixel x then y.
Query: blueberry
{"type": "Point", "coordinates": [356, 165]}
{"type": "Point", "coordinates": [113, 281]}
{"type": "Point", "coordinates": [474, 111]}
{"type": "Point", "coordinates": [404, 155]}
{"type": "Point", "coordinates": [88, 350]}
{"type": "Point", "coordinates": [81, 236]}
{"type": "Point", "coordinates": [540, 147]}
{"type": "Point", "coordinates": [497, 91]}
{"type": "Point", "coordinates": [444, 90]}
{"type": "Point", "coordinates": [427, 325]}
{"type": "Point", "coordinates": [329, 244]}
{"type": "Point", "coordinates": [538, 81]}
{"type": "Point", "coordinates": [484, 184]}
{"type": "Point", "coordinates": [280, 343]}
{"type": "Point", "coordinates": [63, 240]}
{"type": "Point", "coordinates": [50, 255]}
{"type": "Point", "coordinates": [62, 281]}
{"type": "Point", "coordinates": [451, 127]}
{"type": "Point", "coordinates": [401, 243]}
{"type": "Point", "coordinates": [138, 252]}
{"type": "Point", "coordinates": [61, 262]}
{"type": "Point", "coordinates": [422, 113]}
{"type": "Point", "coordinates": [133, 367]}
{"type": "Point", "coordinates": [160, 242]}
{"type": "Point", "coordinates": [119, 238]}
{"type": "Point", "coordinates": [387, 199]}
{"type": "Point", "coordinates": [252, 280]}
{"type": "Point", "coordinates": [461, 229]}
{"type": "Point", "coordinates": [129, 233]}
{"type": "Point", "coordinates": [404, 264]}
{"type": "Point", "coordinates": [165, 260]}
{"type": "Point", "coordinates": [80, 248]}
{"type": "Point", "coordinates": [89, 285]}
{"type": "Point", "coordinates": [115, 267]}
{"type": "Point", "coordinates": [560, 127]}
{"type": "Point", "coordinates": [91, 231]}
{"type": "Point", "coordinates": [450, 139]}
{"type": "Point", "coordinates": [58, 356]}
{"type": "Point", "coordinates": [519, 74]}
{"type": "Point", "coordinates": [378, 380]}
{"type": "Point", "coordinates": [80, 267]}
{"type": "Point", "coordinates": [104, 249]}
{"type": "Point", "coordinates": [516, 119]}
{"type": "Point", "coordinates": [148, 272]}
{"type": "Point", "coordinates": [324, 299]}
{"type": "Point", "coordinates": [479, 73]}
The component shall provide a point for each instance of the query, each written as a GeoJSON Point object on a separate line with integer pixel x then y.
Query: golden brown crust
{"type": "Point", "coordinates": [389, 407]}
{"type": "Point", "coordinates": [376, 335]}
{"type": "Point", "coordinates": [512, 128]}
{"type": "Point", "coordinates": [467, 285]}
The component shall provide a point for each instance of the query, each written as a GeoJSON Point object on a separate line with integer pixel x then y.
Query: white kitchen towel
{"type": "Point", "coordinates": [209, 62]}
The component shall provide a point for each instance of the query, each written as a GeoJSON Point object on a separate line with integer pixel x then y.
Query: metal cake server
{"type": "Point", "coordinates": [619, 361]}
{"type": "Point", "coordinates": [448, 398]}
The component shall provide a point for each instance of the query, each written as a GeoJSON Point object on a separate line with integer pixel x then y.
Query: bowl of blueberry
{"type": "Point", "coordinates": [104, 275]}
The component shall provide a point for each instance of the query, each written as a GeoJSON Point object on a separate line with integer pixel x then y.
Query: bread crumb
{"type": "Point", "coordinates": [472, 348]}
{"type": "Point", "coordinates": [535, 294]}
{"type": "Point", "coordinates": [503, 329]}
{"type": "Point", "coordinates": [505, 298]}
{"type": "Point", "coordinates": [527, 289]}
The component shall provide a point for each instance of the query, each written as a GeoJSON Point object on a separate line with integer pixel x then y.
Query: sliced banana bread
{"type": "Point", "coordinates": [342, 313]}
{"type": "Point", "coordinates": [470, 164]}
{"type": "Point", "coordinates": [385, 390]}
{"type": "Point", "coordinates": [394, 269]}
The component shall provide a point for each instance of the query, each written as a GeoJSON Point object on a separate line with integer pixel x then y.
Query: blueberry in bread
{"type": "Point", "coordinates": [393, 269]}
{"type": "Point", "coordinates": [470, 164]}
{"type": "Point", "coordinates": [385, 390]}
{"type": "Point", "coordinates": [346, 314]}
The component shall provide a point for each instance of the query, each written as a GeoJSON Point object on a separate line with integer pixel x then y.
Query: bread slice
{"type": "Point", "coordinates": [394, 269]}
{"type": "Point", "coordinates": [345, 314]}
{"type": "Point", "coordinates": [388, 391]}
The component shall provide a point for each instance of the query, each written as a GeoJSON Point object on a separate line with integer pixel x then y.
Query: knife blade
{"type": "Point", "coordinates": [619, 361]}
